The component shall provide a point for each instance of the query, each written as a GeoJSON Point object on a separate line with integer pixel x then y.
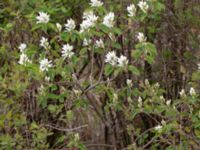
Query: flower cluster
{"type": "Point", "coordinates": [113, 60]}
{"type": "Point", "coordinates": [70, 25]}
{"type": "Point", "coordinates": [108, 20]}
{"type": "Point", "coordinates": [89, 20]}
{"type": "Point", "coordinates": [22, 47]}
{"type": "Point", "coordinates": [122, 61]}
{"type": "Point", "coordinates": [192, 92]}
{"type": "Point", "coordinates": [67, 51]}
{"type": "Point", "coordinates": [141, 38]}
{"type": "Point", "coordinates": [131, 10]}
{"type": "Point", "coordinates": [44, 43]}
{"type": "Point", "coordinates": [143, 6]}
{"type": "Point", "coordinates": [96, 3]}
{"type": "Point", "coordinates": [86, 42]}
{"type": "Point", "coordinates": [43, 18]}
{"type": "Point", "coordinates": [45, 64]}
{"type": "Point", "coordinates": [99, 44]}
{"type": "Point", "coordinates": [23, 60]}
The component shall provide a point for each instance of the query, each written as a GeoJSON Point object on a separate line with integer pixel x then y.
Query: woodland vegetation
{"type": "Point", "coordinates": [100, 74]}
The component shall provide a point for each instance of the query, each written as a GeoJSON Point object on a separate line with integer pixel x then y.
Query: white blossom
{"type": "Point", "coordinates": [129, 82]}
{"type": "Point", "coordinates": [77, 92]}
{"type": "Point", "coordinates": [140, 102]}
{"type": "Point", "coordinates": [131, 10]}
{"type": "Point", "coordinates": [122, 61]}
{"type": "Point", "coordinates": [146, 82]}
{"type": "Point", "coordinates": [192, 91]}
{"type": "Point", "coordinates": [41, 89]}
{"type": "Point", "coordinates": [44, 43]}
{"type": "Point", "coordinates": [70, 25]}
{"type": "Point", "coordinates": [45, 64]}
{"type": "Point", "coordinates": [108, 20]}
{"type": "Point", "coordinates": [168, 102]}
{"type": "Point", "coordinates": [85, 25]}
{"type": "Point", "coordinates": [43, 17]}
{"type": "Point", "coordinates": [111, 58]}
{"type": "Point", "coordinates": [141, 37]}
{"type": "Point", "coordinates": [199, 66]}
{"type": "Point", "coordinates": [22, 47]}
{"type": "Point", "coordinates": [143, 6]}
{"type": "Point", "coordinates": [157, 85]}
{"type": "Point", "coordinates": [59, 27]}
{"type": "Point", "coordinates": [158, 127]}
{"type": "Point", "coordinates": [89, 20]}
{"type": "Point", "coordinates": [96, 3]}
{"type": "Point", "coordinates": [162, 98]}
{"type": "Point", "coordinates": [182, 92]}
{"type": "Point", "coordinates": [115, 97]}
{"type": "Point", "coordinates": [163, 122]}
{"type": "Point", "coordinates": [86, 42]}
{"type": "Point", "coordinates": [23, 59]}
{"type": "Point", "coordinates": [99, 43]}
{"type": "Point", "coordinates": [47, 79]}
{"type": "Point", "coordinates": [67, 51]}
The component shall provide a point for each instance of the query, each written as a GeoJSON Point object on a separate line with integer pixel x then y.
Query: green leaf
{"type": "Point", "coordinates": [149, 59]}
{"type": "Point", "coordinates": [108, 70]}
{"type": "Point", "coordinates": [53, 96]}
{"type": "Point", "coordinates": [9, 26]}
{"type": "Point", "coordinates": [52, 108]}
{"type": "Point", "coordinates": [136, 54]}
{"type": "Point", "coordinates": [65, 36]}
{"type": "Point", "coordinates": [151, 48]}
{"type": "Point", "coordinates": [117, 31]}
{"type": "Point", "coordinates": [134, 70]}
{"type": "Point", "coordinates": [104, 28]}
{"type": "Point", "coordinates": [116, 45]}
{"type": "Point", "coordinates": [70, 115]}
{"type": "Point", "coordinates": [34, 126]}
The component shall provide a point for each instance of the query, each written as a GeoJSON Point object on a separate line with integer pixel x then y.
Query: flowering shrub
{"type": "Point", "coordinates": [83, 81]}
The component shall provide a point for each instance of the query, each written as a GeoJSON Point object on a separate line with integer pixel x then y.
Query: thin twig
{"type": "Point", "coordinates": [66, 130]}
{"type": "Point", "coordinates": [102, 145]}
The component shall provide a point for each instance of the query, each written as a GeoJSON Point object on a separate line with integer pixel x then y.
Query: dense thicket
{"type": "Point", "coordinates": [130, 83]}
